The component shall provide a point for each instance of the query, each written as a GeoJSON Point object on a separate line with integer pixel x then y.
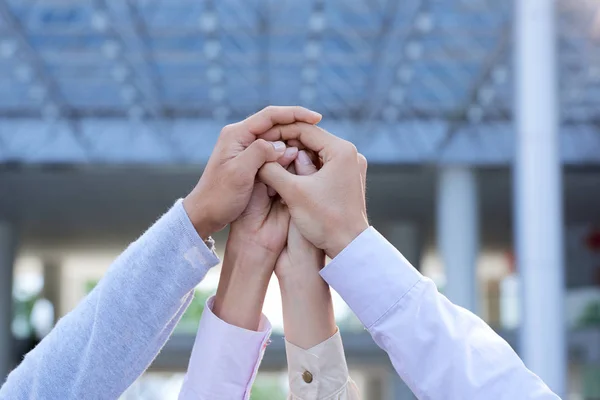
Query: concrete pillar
{"type": "Point", "coordinates": [458, 233]}
{"type": "Point", "coordinates": [374, 388]}
{"type": "Point", "coordinates": [538, 193]}
{"type": "Point", "coordinates": [8, 245]}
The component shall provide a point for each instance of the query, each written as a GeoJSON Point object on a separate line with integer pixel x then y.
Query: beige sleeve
{"type": "Point", "coordinates": [321, 372]}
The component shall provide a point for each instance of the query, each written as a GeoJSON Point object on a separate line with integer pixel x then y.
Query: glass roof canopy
{"type": "Point", "coordinates": [409, 81]}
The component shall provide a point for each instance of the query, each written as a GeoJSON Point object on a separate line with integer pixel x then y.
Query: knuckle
{"type": "Point", "coordinates": [349, 150]}
{"type": "Point", "coordinates": [268, 109]}
{"type": "Point", "coordinates": [262, 145]}
{"type": "Point", "coordinates": [352, 149]}
{"type": "Point", "coordinates": [228, 130]}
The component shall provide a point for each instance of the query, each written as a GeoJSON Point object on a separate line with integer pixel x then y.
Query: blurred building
{"type": "Point", "coordinates": [479, 119]}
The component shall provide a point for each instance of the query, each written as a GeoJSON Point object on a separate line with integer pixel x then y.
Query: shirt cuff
{"type": "Point", "coordinates": [199, 250]}
{"type": "Point", "coordinates": [225, 358]}
{"type": "Point", "coordinates": [371, 275]}
{"type": "Point", "coordinates": [320, 372]}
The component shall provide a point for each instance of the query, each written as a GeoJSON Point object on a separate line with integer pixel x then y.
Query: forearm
{"type": "Point", "coordinates": [317, 366]}
{"type": "Point", "coordinates": [308, 317]}
{"type": "Point", "coordinates": [439, 349]}
{"type": "Point", "coordinates": [111, 337]}
{"type": "Point", "coordinates": [233, 333]}
{"type": "Point", "coordinates": [243, 284]}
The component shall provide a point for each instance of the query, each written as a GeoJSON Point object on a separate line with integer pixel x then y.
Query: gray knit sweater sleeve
{"type": "Point", "coordinates": [100, 348]}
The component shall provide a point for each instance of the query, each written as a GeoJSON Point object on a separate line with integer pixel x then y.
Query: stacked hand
{"type": "Point", "coordinates": [326, 205]}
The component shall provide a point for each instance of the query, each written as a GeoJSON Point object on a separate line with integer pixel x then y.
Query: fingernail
{"type": "Point", "coordinates": [279, 146]}
{"type": "Point", "coordinates": [290, 152]}
{"type": "Point", "coordinates": [318, 114]}
{"type": "Point", "coordinates": [303, 158]}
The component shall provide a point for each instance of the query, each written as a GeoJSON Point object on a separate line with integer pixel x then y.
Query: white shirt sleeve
{"type": "Point", "coordinates": [321, 372]}
{"type": "Point", "coordinates": [440, 350]}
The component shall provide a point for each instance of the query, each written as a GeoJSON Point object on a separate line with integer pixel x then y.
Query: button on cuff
{"type": "Point", "coordinates": [307, 377]}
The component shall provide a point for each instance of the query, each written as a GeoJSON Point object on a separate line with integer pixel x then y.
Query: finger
{"type": "Point", "coordinates": [314, 158]}
{"type": "Point", "coordinates": [292, 170]}
{"type": "Point", "coordinates": [259, 152]}
{"type": "Point", "coordinates": [288, 157]}
{"type": "Point", "coordinates": [277, 177]}
{"type": "Point", "coordinates": [268, 117]}
{"type": "Point", "coordinates": [304, 165]}
{"type": "Point", "coordinates": [285, 161]}
{"type": "Point", "coordinates": [293, 142]}
{"type": "Point", "coordinates": [314, 138]}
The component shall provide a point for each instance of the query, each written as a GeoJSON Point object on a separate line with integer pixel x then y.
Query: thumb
{"type": "Point", "coordinates": [285, 160]}
{"type": "Point", "coordinates": [304, 165]}
{"type": "Point", "coordinates": [259, 152]}
{"type": "Point", "coordinates": [277, 177]}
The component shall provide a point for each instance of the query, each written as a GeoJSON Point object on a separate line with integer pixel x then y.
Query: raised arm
{"type": "Point", "coordinates": [110, 338]}
{"type": "Point", "coordinates": [316, 361]}
{"type": "Point", "coordinates": [441, 350]}
{"type": "Point", "coordinates": [233, 334]}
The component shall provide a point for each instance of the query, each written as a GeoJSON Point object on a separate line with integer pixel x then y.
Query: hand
{"type": "Point", "coordinates": [262, 227]}
{"type": "Point", "coordinates": [300, 258]}
{"type": "Point", "coordinates": [256, 239]}
{"type": "Point", "coordinates": [306, 299]}
{"type": "Point", "coordinates": [225, 187]}
{"type": "Point", "coordinates": [328, 207]}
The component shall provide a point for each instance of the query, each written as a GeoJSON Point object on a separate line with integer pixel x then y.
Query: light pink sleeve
{"type": "Point", "coordinates": [225, 359]}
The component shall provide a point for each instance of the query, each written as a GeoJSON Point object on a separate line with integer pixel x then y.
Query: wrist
{"type": "Point", "coordinates": [299, 279]}
{"type": "Point", "coordinates": [241, 292]}
{"type": "Point", "coordinates": [307, 312]}
{"type": "Point", "coordinates": [245, 253]}
{"type": "Point", "coordinates": [199, 215]}
{"type": "Point", "coordinates": [344, 237]}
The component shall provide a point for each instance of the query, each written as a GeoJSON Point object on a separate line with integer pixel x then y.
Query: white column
{"type": "Point", "coordinates": [7, 258]}
{"type": "Point", "coordinates": [458, 233]}
{"type": "Point", "coordinates": [538, 199]}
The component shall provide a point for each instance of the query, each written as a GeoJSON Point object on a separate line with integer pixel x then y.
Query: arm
{"type": "Point", "coordinates": [316, 361]}
{"type": "Point", "coordinates": [440, 350]}
{"type": "Point", "coordinates": [315, 354]}
{"type": "Point", "coordinates": [233, 334]}
{"type": "Point", "coordinates": [110, 338]}
{"type": "Point", "coordinates": [102, 346]}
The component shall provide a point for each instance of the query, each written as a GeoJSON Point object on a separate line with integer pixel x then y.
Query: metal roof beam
{"type": "Point", "coordinates": [497, 56]}
{"type": "Point", "coordinates": [54, 97]}
{"type": "Point", "coordinates": [145, 81]}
